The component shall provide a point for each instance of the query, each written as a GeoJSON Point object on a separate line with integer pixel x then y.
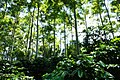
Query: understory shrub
{"type": "Point", "coordinates": [8, 71]}
{"type": "Point", "coordinates": [83, 67]}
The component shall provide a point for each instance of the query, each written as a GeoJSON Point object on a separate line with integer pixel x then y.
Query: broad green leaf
{"type": "Point", "coordinates": [80, 73]}
{"type": "Point", "coordinates": [64, 74]}
{"type": "Point", "coordinates": [101, 64]}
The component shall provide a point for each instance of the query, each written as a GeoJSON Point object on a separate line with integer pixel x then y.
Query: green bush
{"type": "Point", "coordinates": [8, 71]}
{"type": "Point", "coordinates": [82, 67]}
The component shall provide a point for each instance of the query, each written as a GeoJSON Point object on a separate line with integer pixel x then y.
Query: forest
{"type": "Point", "coordinates": [59, 39]}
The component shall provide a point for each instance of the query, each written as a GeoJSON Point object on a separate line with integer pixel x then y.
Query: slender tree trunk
{"type": "Point", "coordinates": [102, 25]}
{"type": "Point", "coordinates": [109, 19]}
{"type": "Point", "coordinates": [86, 31]}
{"type": "Point", "coordinates": [54, 31]}
{"type": "Point", "coordinates": [37, 33]}
{"type": "Point", "coordinates": [54, 37]}
{"type": "Point", "coordinates": [65, 36]}
{"type": "Point", "coordinates": [72, 39]}
{"type": "Point", "coordinates": [77, 46]}
{"type": "Point", "coordinates": [30, 36]}
{"type": "Point", "coordinates": [3, 28]}
{"type": "Point", "coordinates": [29, 23]}
{"type": "Point", "coordinates": [71, 28]}
{"type": "Point", "coordinates": [13, 41]}
{"type": "Point", "coordinates": [60, 42]}
{"type": "Point", "coordinates": [101, 20]}
{"type": "Point", "coordinates": [43, 42]}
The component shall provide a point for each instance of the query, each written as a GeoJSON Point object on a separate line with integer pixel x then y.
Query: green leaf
{"type": "Point", "coordinates": [107, 74]}
{"type": "Point", "coordinates": [80, 73]}
{"type": "Point", "coordinates": [64, 74]}
{"type": "Point", "coordinates": [74, 72]}
{"type": "Point", "coordinates": [101, 64]}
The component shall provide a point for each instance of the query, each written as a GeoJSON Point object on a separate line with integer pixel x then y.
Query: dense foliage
{"type": "Point", "coordinates": [59, 39]}
{"type": "Point", "coordinates": [81, 68]}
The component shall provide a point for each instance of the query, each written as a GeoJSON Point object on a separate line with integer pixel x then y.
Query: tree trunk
{"type": "Point", "coordinates": [29, 51]}
{"type": "Point", "coordinates": [77, 46]}
{"type": "Point", "coordinates": [109, 19]}
{"type": "Point", "coordinates": [54, 31]}
{"type": "Point", "coordinates": [43, 42]}
{"type": "Point", "coordinates": [101, 19]}
{"type": "Point", "coordinates": [60, 42]}
{"type": "Point", "coordinates": [86, 31]}
{"type": "Point", "coordinates": [64, 36]}
{"type": "Point", "coordinates": [54, 37]}
{"type": "Point", "coordinates": [37, 33]}
{"type": "Point", "coordinates": [28, 37]}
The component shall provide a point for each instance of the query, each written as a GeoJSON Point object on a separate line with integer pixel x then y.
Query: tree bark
{"type": "Point", "coordinates": [30, 35]}
{"type": "Point", "coordinates": [54, 35]}
{"type": "Point", "coordinates": [64, 36]}
{"type": "Point", "coordinates": [76, 32]}
{"type": "Point", "coordinates": [109, 19]}
{"type": "Point", "coordinates": [37, 33]}
{"type": "Point", "coordinates": [86, 31]}
{"type": "Point", "coordinates": [54, 31]}
{"type": "Point", "coordinates": [101, 19]}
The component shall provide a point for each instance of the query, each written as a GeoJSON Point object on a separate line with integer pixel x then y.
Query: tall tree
{"type": "Point", "coordinates": [65, 33]}
{"type": "Point", "coordinates": [31, 31]}
{"type": "Point", "coordinates": [109, 18]}
{"type": "Point", "coordinates": [101, 20]}
{"type": "Point", "coordinates": [37, 32]}
{"type": "Point", "coordinates": [76, 32]}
